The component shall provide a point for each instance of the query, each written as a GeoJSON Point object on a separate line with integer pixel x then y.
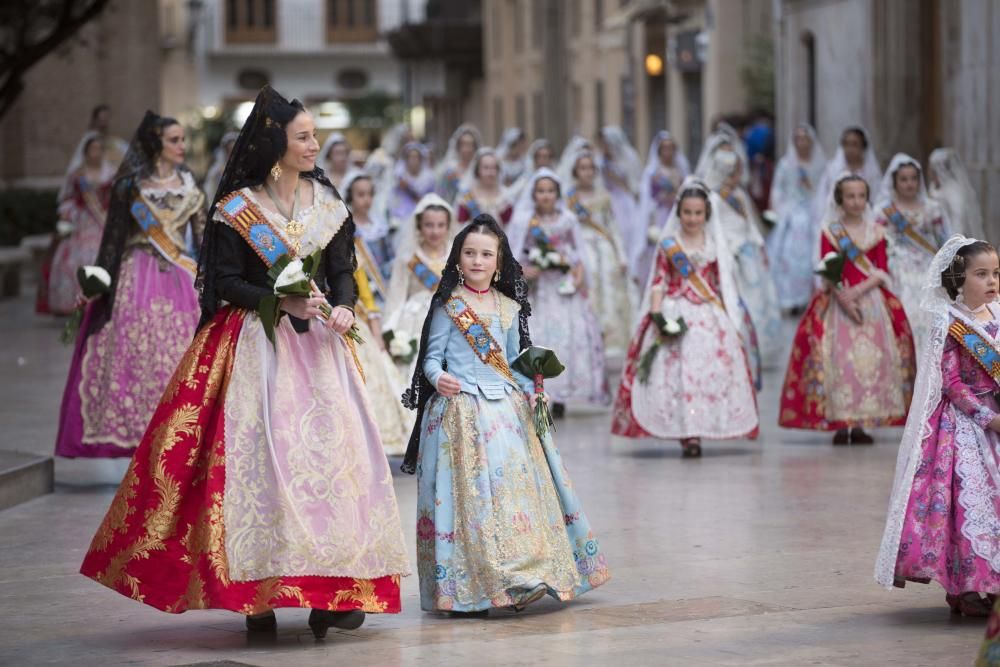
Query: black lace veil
{"type": "Point", "coordinates": [138, 164]}
{"type": "Point", "coordinates": [511, 284]}
{"type": "Point", "coordinates": [260, 144]}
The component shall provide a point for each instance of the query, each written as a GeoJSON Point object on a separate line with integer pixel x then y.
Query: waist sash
{"type": "Point", "coordinates": [248, 220]}
{"type": "Point", "coordinates": [585, 217]}
{"type": "Point", "coordinates": [151, 225]}
{"type": "Point", "coordinates": [729, 196]}
{"type": "Point", "coordinates": [427, 277]}
{"type": "Point", "coordinates": [982, 350]}
{"type": "Point", "coordinates": [903, 226]}
{"type": "Point", "coordinates": [672, 249]}
{"type": "Point", "coordinates": [478, 336]}
{"type": "Point", "coordinates": [838, 235]}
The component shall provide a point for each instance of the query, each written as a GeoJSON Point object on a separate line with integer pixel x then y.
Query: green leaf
{"type": "Point", "coordinates": [269, 313]}
{"type": "Point", "coordinates": [537, 360]}
{"type": "Point", "coordinates": [278, 266]}
{"type": "Point", "coordinates": [72, 327]}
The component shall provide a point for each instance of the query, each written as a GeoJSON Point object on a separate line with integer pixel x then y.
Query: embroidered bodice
{"type": "Point", "coordinates": [175, 207]}
{"type": "Point", "coordinates": [964, 380]}
{"type": "Point", "coordinates": [705, 263]}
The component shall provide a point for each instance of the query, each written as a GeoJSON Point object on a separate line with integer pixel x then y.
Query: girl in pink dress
{"type": "Point", "coordinates": [944, 523]}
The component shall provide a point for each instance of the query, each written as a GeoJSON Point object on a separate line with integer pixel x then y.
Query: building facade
{"type": "Point", "coordinates": [115, 61]}
{"type": "Point", "coordinates": [558, 68]}
{"type": "Point", "coordinates": [918, 74]}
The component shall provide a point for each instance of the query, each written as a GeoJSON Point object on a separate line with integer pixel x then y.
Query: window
{"type": "Point", "coordinates": [250, 21]}
{"type": "Point", "coordinates": [537, 24]}
{"type": "Point", "coordinates": [574, 10]}
{"type": "Point", "coordinates": [497, 29]}
{"type": "Point", "coordinates": [351, 21]}
{"type": "Point", "coordinates": [576, 101]}
{"type": "Point", "coordinates": [521, 114]}
{"type": "Point", "coordinates": [538, 114]}
{"type": "Point", "coordinates": [598, 15]}
{"type": "Point", "coordinates": [518, 26]}
{"type": "Point", "coordinates": [498, 116]}
{"type": "Point", "coordinates": [809, 46]}
{"type": "Point", "coordinates": [599, 102]}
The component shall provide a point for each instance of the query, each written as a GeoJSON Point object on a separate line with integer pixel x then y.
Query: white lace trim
{"type": "Point", "coordinates": [976, 467]}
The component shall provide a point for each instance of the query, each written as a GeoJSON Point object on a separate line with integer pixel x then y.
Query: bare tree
{"type": "Point", "coordinates": [30, 30]}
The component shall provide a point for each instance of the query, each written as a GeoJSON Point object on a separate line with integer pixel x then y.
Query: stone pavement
{"type": "Point", "coordinates": [760, 553]}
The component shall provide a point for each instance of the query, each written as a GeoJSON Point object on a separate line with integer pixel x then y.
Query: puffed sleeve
{"type": "Point", "coordinates": [231, 264]}
{"type": "Point", "coordinates": [340, 264]}
{"type": "Point", "coordinates": [959, 393]}
{"type": "Point", "coordinates": [437, 344]}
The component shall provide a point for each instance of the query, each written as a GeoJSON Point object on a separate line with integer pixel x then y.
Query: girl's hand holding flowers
{"type": "Point", "coordinates": [303, 307]}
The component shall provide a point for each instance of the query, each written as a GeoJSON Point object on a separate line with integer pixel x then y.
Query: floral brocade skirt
{"type": "Point", "coordinates": [118, 373]}
{"type": "Point", "coordinates": [497, 513]}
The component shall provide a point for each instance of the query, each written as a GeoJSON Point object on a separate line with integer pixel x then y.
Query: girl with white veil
{"type": "Point", "coordinates": [421, 255]}
{"type": "Point", "coordinates": [83, 203]}
{"type": "Point", "coordinates": [666, 167]}
{"type": "Point", "coordinates": [697, 386]}
{"type": "Point", "coordinates": [457, 161]}
{"type": "Point", "coordinates": [741, 228]}
{"type": "Point", "coordinates": [916, 227]}
{"type": "Point", "coordinates": [412, 179]}
{"type": "Point", "coordinates": [608, 285]}
{"type": "Point", "coordinates": [360, 194]}
{"type": "Point", "coordinates": [621, 170]}
{"type": "Point", "coordinates": [852, 362]}
{"type": "Point", "coordinates": [724, 137]}
{"type": "Point", "coordinates": [855, 155]}
{"type": "Point", "coordinates": [513, 158]}
{"type": "Point", "coordinates": [482, 191]}
{"type": "Point", "coordinates": [573, 147]}
{"type": "Point", "coordinates": [558, 292]}
{"type": "Point", "coordinates": [950, 185]}
{"type": "Point", "coordinates": [792, 191]}
{"type": "Point", "coordinates": [943, 516]}
{"type": "Point", "coordinates": [335, 158]}
{"type": "Point", "coordinates": [540, 154]}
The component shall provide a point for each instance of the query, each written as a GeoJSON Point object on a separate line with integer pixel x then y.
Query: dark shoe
{"type": "Point", "coordinates": [320, 620]}
{"type": "Point", "coordinates": [859, 437]}
{"type": "Point", "coordinates": [842, 437]}
{"type": "Point", "coordinates": [534, 595]}
{"type": "Point", "coordinates": [558, 410]}
{"type": "Point", "coordinates": [470, 614]}
{"type": "Point", "coordinates": [265, 622]}
{"type": "Point", "coordinates": [692, 448]}
{"type": "Point", "coordinates": [968, 604]}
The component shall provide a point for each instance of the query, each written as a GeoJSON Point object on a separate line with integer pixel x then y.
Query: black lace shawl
{"type": "Point", "coordinates": [260, 144]}
{"type": "Point", "coordinates": [511, 284]}
{"type": "Point", "coordinates": [137, 165]}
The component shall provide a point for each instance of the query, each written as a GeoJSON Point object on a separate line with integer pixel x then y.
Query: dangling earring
{"type": "Point", "coordinates": [961, 295]}
{"type": "Point", "coordinates": [496, 277]}
{"type": "Point", "coordinates": [276, 171]}
{"type": "Point", "coordinates": [461, 276]}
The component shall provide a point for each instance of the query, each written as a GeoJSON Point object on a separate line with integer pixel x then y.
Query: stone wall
{"type": "Point", "coordinates": [117, 62]}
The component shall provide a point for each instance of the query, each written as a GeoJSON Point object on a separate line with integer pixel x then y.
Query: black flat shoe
{"type": "Point", "coordinates": [859, 437]}
{"type": "Point", "coordinates": [558, 410]}
{"type": "Point", "coordinates": [842, 437]}
{"type": "Point", "coordinates": [320, 620]}
{"type": "Point", "coordinates": [691, 448]}
{"type": "Point", "coordinates": [470, 614]}
{"type": "Point", "coordinates": [265, 622]}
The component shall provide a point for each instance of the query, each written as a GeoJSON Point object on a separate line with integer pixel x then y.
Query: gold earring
{"type": "Point", "coordinates": [276, 171]}
{"type": "Point", "coordinates": [496, 277]}
{"type": "Point", "coordinates": [461, 276]}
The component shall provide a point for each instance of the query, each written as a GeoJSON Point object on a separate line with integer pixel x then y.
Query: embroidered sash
{"type": "Point", "coordinates": [804, 181]}
{"type": "Point", "coordinates": [903, 226]}
{"type": "Point", "coordinates": [367, 262]}
{"type": "Point", "coordinates": [539, 235]}
{"type": "Point", "coordinates": [584, 215]}
{"type": "Point", "coordinates": [471, 205]}
{"type": "Point", "coordinates": [153, 228]}
{"type": "Point", "coordinates": [248, 220]}
{"type": "Point", "coordinates": [729, 196]}
{"type": "Point", "coordinates": [92, 200]}
{"type": "Point", "coordinates": [981, 349]}
{"type": "Point", "coordinates": [672, 249]}
{"type": "Point", "coordinates": [427, 277]}
{"type": "Point", "coordinates": [662, 185]}
{"type": "Point", "coordinates": [478, 336]}
{"type": "Point", "coordinates": [838, 235]}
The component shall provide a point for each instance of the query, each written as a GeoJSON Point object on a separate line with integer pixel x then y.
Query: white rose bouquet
{"type": "Point", "coordinates": [294, 277]}
{"type": "Point", "coordinates": [402, 348]}
{"type": "Point", "coordinates": [94, 281]}
{"type": "Point", "coordinates": [666, 330]}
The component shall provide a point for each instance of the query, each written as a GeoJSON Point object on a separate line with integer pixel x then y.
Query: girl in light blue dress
{"type": "Point", "coordinates": [498, 521]}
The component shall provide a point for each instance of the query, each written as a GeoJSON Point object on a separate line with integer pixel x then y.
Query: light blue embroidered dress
{"type": "Point", "coordinates": [497, 516]}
